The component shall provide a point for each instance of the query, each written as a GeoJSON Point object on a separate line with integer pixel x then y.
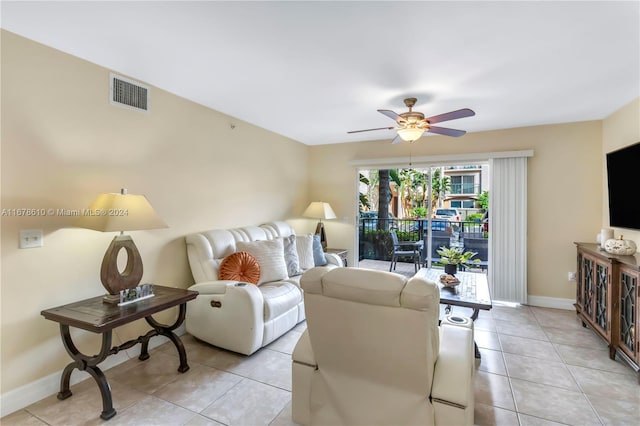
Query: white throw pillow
{"type": "Point", "coordinates": [304, 245]}
{"type": "Point", "coordinates": [270, 257]}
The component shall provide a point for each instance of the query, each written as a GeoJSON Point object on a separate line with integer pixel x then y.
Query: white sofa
{"type": "Point", "coordinates": [236, 316]}
{"type": "Point", "coordinates": [373, 353]}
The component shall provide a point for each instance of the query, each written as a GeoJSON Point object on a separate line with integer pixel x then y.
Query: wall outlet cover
{"type": "Point", "coordinates": [31, 238]}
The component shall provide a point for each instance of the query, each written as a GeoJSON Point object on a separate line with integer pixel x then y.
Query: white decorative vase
{"type": "Point", "coordinates": [605, 234]}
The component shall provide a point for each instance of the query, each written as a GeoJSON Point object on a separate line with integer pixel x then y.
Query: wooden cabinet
{"type": "Point", "coordinates": [608, 299]}
{"type": "Point", "coordinates": [628, 317]}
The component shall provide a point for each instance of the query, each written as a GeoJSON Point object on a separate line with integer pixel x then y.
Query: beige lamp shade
{"type": "Point", "coordinates": [319, 210]}
{"type": "Point", "coordinates": [120, 212]}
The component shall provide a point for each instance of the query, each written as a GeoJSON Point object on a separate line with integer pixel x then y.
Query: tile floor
{"type": "Point", "coordinates": [539, 367]}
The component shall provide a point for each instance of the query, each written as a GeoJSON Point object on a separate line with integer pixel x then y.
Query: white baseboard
{"type": "Point", "coordinates": [551, 302]}
{"type": "Point", "coordinates": [23, 396]}
{"type": "Point", "coordinates": [19, 398]}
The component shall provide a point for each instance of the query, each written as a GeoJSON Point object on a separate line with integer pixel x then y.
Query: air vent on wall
{"type": "Point", "coordinates": [128, 93]}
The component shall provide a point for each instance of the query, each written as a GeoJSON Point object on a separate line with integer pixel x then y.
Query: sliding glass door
{"type": "Point", "coordinates": [441, 205]}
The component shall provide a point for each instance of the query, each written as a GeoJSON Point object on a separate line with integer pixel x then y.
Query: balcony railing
{"type": "Point", "coordinates": [463, 188]}
{"type": "Point", "coordinates": [376, 244]}
{"type": "Point", "coordinates": [466, 167]}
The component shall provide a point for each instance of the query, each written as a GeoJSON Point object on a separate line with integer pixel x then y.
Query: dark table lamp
{"type": "Point", "coordinates": [121, 212]}
{"type": "Point", "coordinates": [320, 210]}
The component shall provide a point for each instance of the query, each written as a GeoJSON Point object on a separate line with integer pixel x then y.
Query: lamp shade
{"type": "Point", "coordinates": [319, 210]}
{"type": "Point", "coordinates": [120, 212]}
{"type": "Point", "coordinates": [410, 134]}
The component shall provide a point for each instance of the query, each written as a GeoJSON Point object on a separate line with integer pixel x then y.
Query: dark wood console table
{"type": "Point", "coordinates": [608, 300]}
{"type": "Point", "coordinates": [98, 317]}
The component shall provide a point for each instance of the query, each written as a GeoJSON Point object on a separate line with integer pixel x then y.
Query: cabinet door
{"type": "Point", "coordinates": [628, 312]}
{"type": "Point", "coordinates": [588, 267]}
{"type": "Point", "coordinates": [602, 294]}
{"type": "Point", "coordinates": [636, 328]}
{"type": "Point", "coordinates": [580, 284]}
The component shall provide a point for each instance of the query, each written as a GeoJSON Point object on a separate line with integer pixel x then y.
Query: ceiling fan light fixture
{"type": "Point", "coordinates": [410, 134]}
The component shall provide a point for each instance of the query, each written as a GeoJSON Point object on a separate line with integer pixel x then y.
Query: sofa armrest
{"type": "Point", "coordinates": [453, 373]}
{"type": "Point", "coordinates": [303, 352]}
{"type": "Point", "coordinates": [227, 314]}
{"type": "Point", "coordinates": [333, 259]}
{"type": "Point", "coordinates": [213, 287]}
{"type": "Point", "coordinates": [239, 296]}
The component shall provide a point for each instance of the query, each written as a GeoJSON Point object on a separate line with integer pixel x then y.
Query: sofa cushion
{"type": "Point", "coordinates": [304, 246]}
{"type": "Point", "coordinates": [291, 258]}
{"type": "Point", "coordinates": [240, 266]}
{"type": "Point", "coordinates": [319, 259]}
{"type": "Point", "coordinates": [270, 256]}
{"type": "Point", "coordinates": [279, 298]}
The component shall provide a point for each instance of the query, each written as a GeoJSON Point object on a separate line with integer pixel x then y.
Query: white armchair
{"type": "Point", "coordinates": [233, 315]}
{"type": "Point", "coordinates": [373, 353]}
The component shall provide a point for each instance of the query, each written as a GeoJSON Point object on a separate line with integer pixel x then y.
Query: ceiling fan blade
{"type": "Point", "coordinates": [447, 132]}
{"type": "Point", "coordinates": [392, 115]}
{"type": "Point", "coordinates": [397, 139]}
{"type": "Point", "coordinates": [453, 115]}
{"type": "Point", "coordinates": [368, 130]}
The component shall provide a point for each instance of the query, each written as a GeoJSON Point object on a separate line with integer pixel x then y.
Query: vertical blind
{"type": "Point", "coordinates": [508, 222]}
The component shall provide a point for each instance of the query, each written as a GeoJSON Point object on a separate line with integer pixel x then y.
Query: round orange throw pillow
{"type": "Point", "coordinates": [240, 266]}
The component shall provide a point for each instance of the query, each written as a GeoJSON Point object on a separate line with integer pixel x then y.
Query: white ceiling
{"type": "Point", "coordinates": [314, 70]}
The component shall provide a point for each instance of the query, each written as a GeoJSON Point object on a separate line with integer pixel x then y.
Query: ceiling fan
{"type": "Point", "coordinates": [412, 124]}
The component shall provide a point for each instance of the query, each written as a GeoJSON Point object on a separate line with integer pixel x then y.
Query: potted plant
{"type": "Point", "coordinates": [451, 257]}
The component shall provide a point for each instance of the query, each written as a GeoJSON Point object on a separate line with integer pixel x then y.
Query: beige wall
{"type": "Point", "coordinates": [63, 144]}
{"type": "Point", "coordinates": [619, 130]}
{"type": "Point", "coordinates": [564, 189]}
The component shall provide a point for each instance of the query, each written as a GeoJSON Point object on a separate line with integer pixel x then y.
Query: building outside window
{"type": "Point", "coordinates": [464, 184]}
{"type": "Point", "coordinates": [463, 204]}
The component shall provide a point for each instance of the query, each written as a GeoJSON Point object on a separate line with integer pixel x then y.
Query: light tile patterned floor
{"type": "Point", "coordinates": [539, 367]}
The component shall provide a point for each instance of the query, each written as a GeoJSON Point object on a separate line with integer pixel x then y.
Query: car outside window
{"type": "Point", "coordinates": [449, 214]}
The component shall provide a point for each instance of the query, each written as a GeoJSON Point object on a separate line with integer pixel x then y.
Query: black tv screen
{"type": "Point", "coordinates": [623, 180]}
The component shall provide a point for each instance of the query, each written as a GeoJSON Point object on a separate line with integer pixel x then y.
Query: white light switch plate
{"type": "Point", "coordinates": [31, 238]}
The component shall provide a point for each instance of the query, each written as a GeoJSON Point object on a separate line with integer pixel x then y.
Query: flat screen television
{"type": "Point", "coordinates": [623, 180]}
